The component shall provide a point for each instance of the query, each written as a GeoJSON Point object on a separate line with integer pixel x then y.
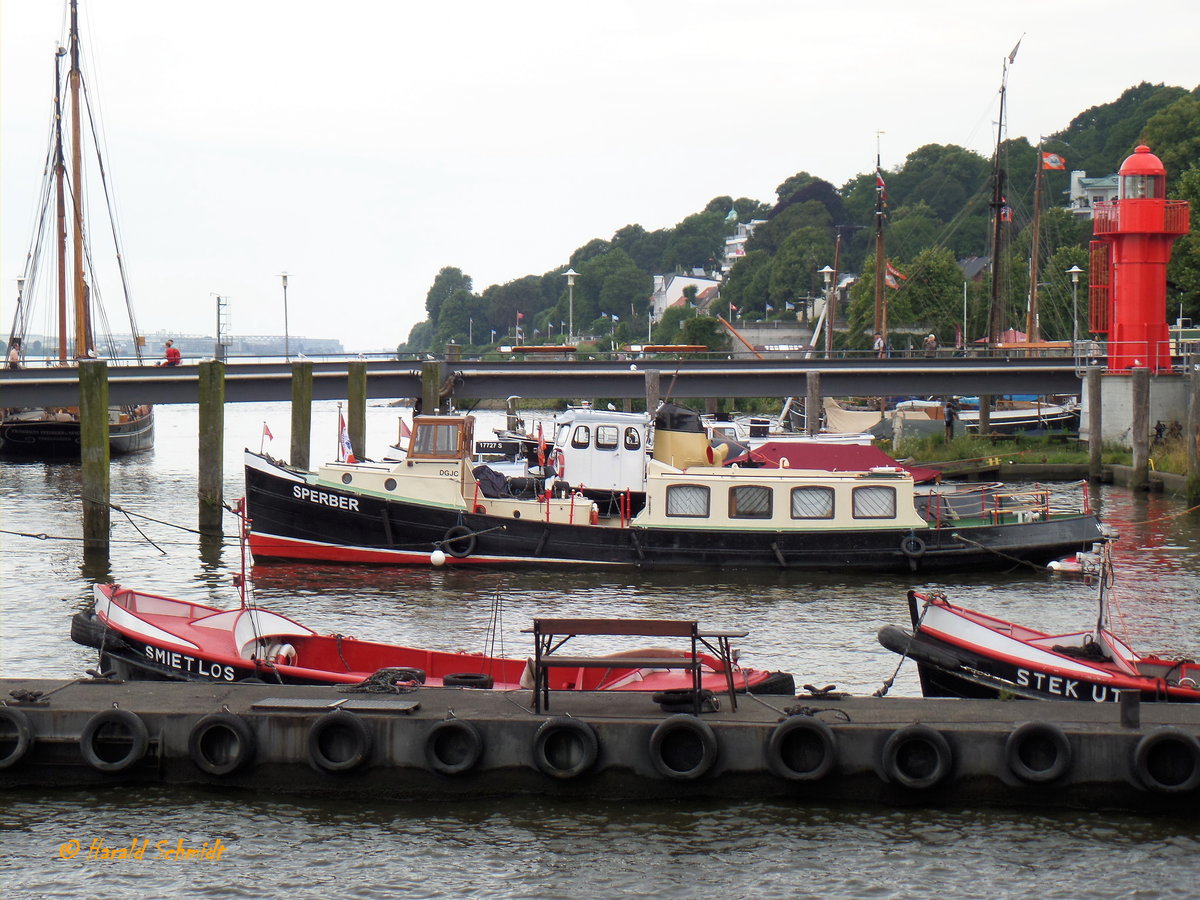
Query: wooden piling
{"type": "Point", "coordinates": [1095, 406]}
{"type": "Point", "coordinates": [94, 454]}
{"type": "Point", "coordinates": [1192, 436]}
{"type": "Point", "coordinates": [653, 390]}
{"type": "Point", "coordinates": [302, 392]}
{"type": "Point", "coordinates": [812, 402]}
{"type": "Point", "coordinates": [430, 383]}
{"type": "Point", "coordinates": [985, 414]}
{"type": "Point", "coordinates": [1139, 434]}
{"type": "Point", "coordinates": [211, 384]}
{"type": "Point", "coordinates": [356, 406]}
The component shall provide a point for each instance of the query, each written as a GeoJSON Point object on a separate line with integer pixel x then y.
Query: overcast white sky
{"type": "Point", "coordinates": [363, 145]}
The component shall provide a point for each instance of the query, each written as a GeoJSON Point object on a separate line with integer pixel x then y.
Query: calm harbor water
{"type": "Point", "coordinates": [821, 627]}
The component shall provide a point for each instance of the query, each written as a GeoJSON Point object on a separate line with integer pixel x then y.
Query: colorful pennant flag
{"type": "Point", "coordinates": [1053, 161]}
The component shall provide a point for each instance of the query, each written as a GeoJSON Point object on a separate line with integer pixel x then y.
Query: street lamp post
{"type": "Point", "coordinates": [571, 276]}
{"type": "Point", "coordinates": [1074, 272]}
{"type": "Point", "coordinates": [287, 340]}
{"type": "Point", "coordinates": [827, 274]}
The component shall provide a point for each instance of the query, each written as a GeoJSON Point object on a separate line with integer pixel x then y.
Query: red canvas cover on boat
{"type": "Point", "coordinates": [834, 458]}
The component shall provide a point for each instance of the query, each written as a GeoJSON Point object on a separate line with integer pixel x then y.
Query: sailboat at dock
{"type": "Point", "coordinates": [58, 292]}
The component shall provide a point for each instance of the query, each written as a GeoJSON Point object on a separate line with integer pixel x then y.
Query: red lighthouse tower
{"type": "Point", "coordinates": [1130, 252]}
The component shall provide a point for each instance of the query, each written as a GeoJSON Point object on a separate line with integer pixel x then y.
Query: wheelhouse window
{"type": "Point", "coordinates": [582, 437]}
{"type": "Point", "coordinates": [439, 439]}
{"type": "Point", "coordinates": [812, 502]}
{"type": "Point", "coordinates": [750, 501]}
{"type": "Point", "coordinates": [606, 437]}
{"type": "Point", "coordinates": [687, 500]}
{"type": "Point", "coordinates": [633, 440]}
{"type": "Point", "coordinates": [875, 502]}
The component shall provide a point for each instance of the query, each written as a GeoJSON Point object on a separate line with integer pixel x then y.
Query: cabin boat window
{"type": "Point", "coordinates": [875, 502]}
{"type": "Point", "coordinates": [749, 501]}
{"type": "Point", "coordinates": [582, 438]}
{"type": "Point", "coordinates": [606, 436]}
{"type": "Point", "coordinates": [687, 500]}
{"type": "Point", "coordinates": [633, 440]}
{"type": "Point", "coordinates": [437, 440]}
{"type": "Point", "coordinates": [812, 502]}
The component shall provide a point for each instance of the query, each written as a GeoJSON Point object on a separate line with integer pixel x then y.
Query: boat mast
{"type": "Point", "coordinates": [60, 207]}
{"type": "Point", "coordinates": [1032, 329]}
{"type": "Point", "coordinates": [880, 206]}
{"type": "Point", "coordinates": [996, 313]}
{"type": "Point", "coordinates": [83, 341]}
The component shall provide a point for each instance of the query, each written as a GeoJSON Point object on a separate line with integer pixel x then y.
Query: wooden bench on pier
{"type": "Point", "coordinates": [551, 634]}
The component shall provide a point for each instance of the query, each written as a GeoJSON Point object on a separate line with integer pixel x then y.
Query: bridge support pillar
{"type": "Point", "coordinates": [1191, 434]}
{"type": "Point", "coordinates": [94, 454]}
{"type": "Point", "coordinates": [812, 402]}
{"type": "Point", "coordinates": [212, 444]}
{"type": "Point", "coordinates": [653, 390]}
{"type": "Point", "coordinates": [356, 407]}
{"type": "Point", "coordinates": [985, 414]}
{"type": "Point", "coordinates": [1139, 433]}
{"type": "Point", "coordinates": [431, 379]}
{"type": "Point", "coordinates": [1095, 407]}
{"type": "Point", "coordinates": [302, 391]}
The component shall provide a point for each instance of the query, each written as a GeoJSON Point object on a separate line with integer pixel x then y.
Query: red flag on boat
{"type": "Point", "coordinates": [894, 272]}
{"type": "Point", "coordinates": [267, 432]}
{"type": "Point", "coordinates": [541, 447]}
{"type": "Point", "coordinates": [880, 185]}
{"type": "Point", "coordinates": [405, 431]}
{"type": "Point", "coordinates": [1053, 161]}
{"type": "Point", "coordinates": [345, 451]}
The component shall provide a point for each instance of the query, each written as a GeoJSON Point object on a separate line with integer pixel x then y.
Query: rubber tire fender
{"type": "Point", "coordinates": [18, 722]}
{"type": "Point", "coordinates": [1149, 763]}
{"type": "Point", "coordinates": [455, 536]}
{"type": "Point", "coordinates": [221, 744]}
{"type": "Point", "coordinates": [565, 747]}
{"type": "Point", "coordinates": [453, 746]}
{"type": "Point", "coordinates": [792, 741]}
{"type": "Point", "coordinates": [353, 749]}
{"type": "Point", "coordinates": [469, 680]}
{"type": "Point", "coordinates": [912, 546]}
{"type": "Point", "coordinates": [677, 739]}
{"type": "Point", "coordinates": [139, 739]}
{"type": "Point", "coordinates": [1034, 739]}
{"type": "Point", "coordinates": [897, 757]}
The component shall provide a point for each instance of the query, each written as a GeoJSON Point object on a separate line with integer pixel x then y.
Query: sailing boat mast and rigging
{"type": "Point", "coordinates": [55, 432]}
{"type": "Point", "coordinates": [1000, 215]}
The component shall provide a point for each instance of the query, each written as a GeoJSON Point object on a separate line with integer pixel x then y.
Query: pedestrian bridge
{"type": "Point", "coordinates": [564, 377]}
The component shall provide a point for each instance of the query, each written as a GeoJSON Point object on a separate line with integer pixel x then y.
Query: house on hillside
{"type": "Point", "coordinates": [668, 291]}
{"type": "Point", "coordinates": [1084, 193]}
{"type": "Point", "coordinates": [735, 244]}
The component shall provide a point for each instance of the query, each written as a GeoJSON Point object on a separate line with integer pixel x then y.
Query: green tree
{"type": "Point", "coordinates": [1183, 272]}
{"type": "Point", "coordinates": [448, 280]}
{"type": "Point", "coordinates": [1174, 135]}
{"type": "Point", "coordinates": [794, 269]}
{"type": "Point", "coordinates": [704, 330]}
{"type": "Point", "coordinates": [697, 242]}
{"type": "Point", "coordinates": [749, 282]}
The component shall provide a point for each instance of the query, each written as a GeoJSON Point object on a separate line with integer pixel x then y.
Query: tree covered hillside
{"type": "Point", "coordinates": [937, 215]}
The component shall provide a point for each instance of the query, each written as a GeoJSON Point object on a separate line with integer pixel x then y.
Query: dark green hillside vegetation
{"type": "Point", "coordinates": [938, 217]}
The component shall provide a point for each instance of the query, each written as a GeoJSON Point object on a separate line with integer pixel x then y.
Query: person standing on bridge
{"type": "Point", "coordinates": [930, 346]}
{"type": "Point", "coordinates": [173, 357]}
{"type": "Point", "coordinates": [879, 346]}
{"type": "Point", "coordinates": [14, 354]}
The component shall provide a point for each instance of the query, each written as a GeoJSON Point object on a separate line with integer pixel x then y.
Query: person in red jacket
{"type": "Point", "coordinates": [173, 356]}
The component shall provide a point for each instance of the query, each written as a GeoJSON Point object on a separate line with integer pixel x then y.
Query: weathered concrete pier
{"type": "Point", "coordinates": [463, 742]}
